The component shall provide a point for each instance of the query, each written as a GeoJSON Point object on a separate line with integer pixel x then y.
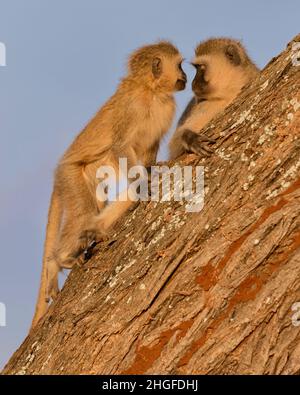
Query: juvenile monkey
{"type": "Point", "coordinates": [223, 67]}
{"type": "Point", "coordinates": [130, 125]}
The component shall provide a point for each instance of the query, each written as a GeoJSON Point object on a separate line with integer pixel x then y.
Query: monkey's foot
{"type": "Point", "coordinates": [88, 241]}
{"type": "Point", "coordinates": [88, 252]}
{"type": "Point", "coordinates": [197, 143]}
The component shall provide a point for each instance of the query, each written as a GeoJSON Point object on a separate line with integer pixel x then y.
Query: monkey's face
{"type": "Point", "coordinates": [200, 85]}
{"type": "Point", "coordinates": [217, 76]}
{"type": "Point", "coordinates": [181, 78]}
{"type": "Point", "coordinates": [168, 74]}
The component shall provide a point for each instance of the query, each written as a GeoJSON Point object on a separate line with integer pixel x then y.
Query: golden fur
{"type": "Point", "coordinates": [130, 125]}
{"type": "Point", "coordinates": [226, 68]}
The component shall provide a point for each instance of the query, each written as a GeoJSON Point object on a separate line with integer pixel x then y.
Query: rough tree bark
{"type": "Point", "coordinates": [203, 293]}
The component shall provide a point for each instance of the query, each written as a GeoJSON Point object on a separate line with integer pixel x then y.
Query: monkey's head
{"type": "Point", "coordinates": [222, 69]}
{"type": "Point", "coordinates": [158, 66]}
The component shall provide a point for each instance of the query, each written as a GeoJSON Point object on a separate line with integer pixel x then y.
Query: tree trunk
{"type": "Point", "coordinates": [197, 293]}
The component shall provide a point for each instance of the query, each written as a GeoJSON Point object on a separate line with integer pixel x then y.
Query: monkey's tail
{"type": "Point", "coordinates": [53, 227]}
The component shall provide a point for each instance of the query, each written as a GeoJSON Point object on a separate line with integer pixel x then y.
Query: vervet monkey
{"type": "Point", "coordinates": [223, 67]}
{"type": "Point", "coordinates": [130, 125]}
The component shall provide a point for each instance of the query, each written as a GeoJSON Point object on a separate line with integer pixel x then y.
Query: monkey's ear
{"type": "Point", "coordinates": [156, 67]}
{"type": "Point", "coordinates": [233, 55]}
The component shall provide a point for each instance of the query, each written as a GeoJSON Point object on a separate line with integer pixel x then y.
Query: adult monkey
{"type": "Point", "coordinates": [130, 125]}
{"type": "Point", "coordinates": [223, 67]}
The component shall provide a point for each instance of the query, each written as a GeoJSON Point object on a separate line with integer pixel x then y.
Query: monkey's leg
{"type": "Point", "coordinates": [73, 241]}
{"type": "Point", "coordinates": [107, 218]}
{"type": "Point", "coordinates": [81, 208]}
{"type": "Point", "coordinates": [197, 143]}
{"type": "Point", "coordinates": [149, 157]}
{"type": "Point", "coordinates": [60, 261]}
{"type": "Point", "coordinates": [149, 160]}
{"type": "Point", "coordinates": [111, 213]}
{"type": "Point", "coordinates": [53, 270]}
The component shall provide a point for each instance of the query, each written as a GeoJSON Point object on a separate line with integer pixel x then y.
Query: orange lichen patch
{"type": "Point", "coordinates": [250, 287]}
{"type": "Point", "coordinates": [146, 356]}
{"type": "Point", "coordinates": [209, 275]}
{"type": "Point", "coordinates": [192, 349]}
{"type": "Point", "coordinates": [201, 341]}
{"type": "Point", "coordinates": [247, 290]}
{"type": "Point", "coordinates": [292, 188]}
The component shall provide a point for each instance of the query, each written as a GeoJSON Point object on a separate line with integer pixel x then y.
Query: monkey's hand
{"type": "Point", "coordinates": [197, 143]}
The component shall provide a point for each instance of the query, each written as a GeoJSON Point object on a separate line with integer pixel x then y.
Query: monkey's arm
{"type": "Point", "coordinates": [150, 155]}
{"type": "Point", "coordinates": [176, 147]}
{"type": "Point", "coordinates": [187, 112]}
{"type": "Point", "coordinates": [188, 137]}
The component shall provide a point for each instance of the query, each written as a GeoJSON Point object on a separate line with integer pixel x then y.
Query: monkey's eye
{"type": "Point", "coordinates": [230, 55]}
{"type": "Point", "coordinates": [180, 66]}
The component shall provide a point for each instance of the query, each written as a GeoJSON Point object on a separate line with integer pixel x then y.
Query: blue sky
{"type": "Point", "coordinates": [64, 59]}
